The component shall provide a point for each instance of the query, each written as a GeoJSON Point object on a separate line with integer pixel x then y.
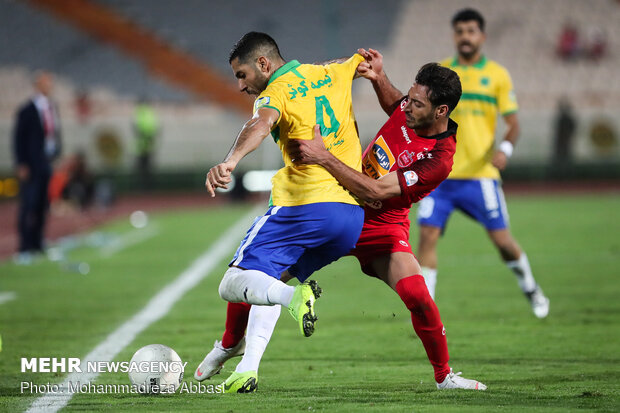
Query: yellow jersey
{"type": "Point", "coordinates": [306, 95]}
{"type": "Point", "coordinates": [487, 91]}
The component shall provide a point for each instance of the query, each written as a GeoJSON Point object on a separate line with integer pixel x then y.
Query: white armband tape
{"type": "Point", "coordinates": [506, 147]}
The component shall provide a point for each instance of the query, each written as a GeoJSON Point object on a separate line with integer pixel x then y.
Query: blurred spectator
{"type": "Point", "coordinates": [146, 128]}
{"type": "Point", "coordinates": [597, 44]}
{"type": "Point", "coordinates": [83, 106]}
{"type": "Point", "coordinates": [72, 183]}
{"type": "Point", "coordinates": [568, 43]}
{"type": "Point", "coordinates": [36, 143]}
{"type": "Point", "coordinates": [564, 132]}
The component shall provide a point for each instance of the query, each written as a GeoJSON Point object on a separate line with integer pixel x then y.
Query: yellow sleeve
{"type": "Point", "coordinates": [349, 66]}
{"type": "Point", "coordinates": [506, 98]}
{"type": "Point", "coordinates": [446, 62]}
{"type": "Point", "coordinates": [270, 98]}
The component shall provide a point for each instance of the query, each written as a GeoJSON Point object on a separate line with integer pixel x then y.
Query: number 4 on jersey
{"type": "Point", "coordinates": [323, 106]}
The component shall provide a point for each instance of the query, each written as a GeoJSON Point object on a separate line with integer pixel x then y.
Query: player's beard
{"type": "Point", "coordinates": [261, 84]}
{"type": "Point", "coordinates": [469, 52]}
{"type": "Point", "coordinates": [419, 123]}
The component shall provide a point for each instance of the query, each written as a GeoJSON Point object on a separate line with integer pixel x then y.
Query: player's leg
{"type": "Point", "coordinates": [402, 273]}
{"type": "Point", "coordinates": [260, 325]}
{"type": "Point", "coordinates": [235, 342]}
{"type": "Point", "coordinates": [484, 201]}
{"type": "Point", "coordinates": [262, 321]}
{"type": "Point", "coordinates": [433, 213]}
{"type": "Point", "coordinates": [345, 228]}
{"type": "Point", "coordinates": [232, 344]}
{"type": "Point", "coordinates": [272, 244]}
{"type": "Point", "coordinates": [516, 260]}
{"type": "Point", "coordinates": [427, 254]}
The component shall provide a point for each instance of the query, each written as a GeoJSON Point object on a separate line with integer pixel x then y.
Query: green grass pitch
{"type": "Point", "coordinates": [364, 355]}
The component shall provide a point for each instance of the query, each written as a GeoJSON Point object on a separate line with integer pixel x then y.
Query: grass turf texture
{"type": "Point", "coordinates": [364, 355]}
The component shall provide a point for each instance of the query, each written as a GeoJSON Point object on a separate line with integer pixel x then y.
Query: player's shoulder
{"type": "Point", "coordinates": [449, 62]}
{"type": "Point", "coordinates": [496, 68]}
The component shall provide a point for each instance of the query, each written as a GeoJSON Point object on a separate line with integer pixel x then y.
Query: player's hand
{"type": "Point", "coordinates": [23, 172]}
{"type": "Point", "coordinates": [219, 177]}
{"type": "Point", "coordinates": [500, 160]}
{"type": "Point", "coordinates": [372, 67]}
{"type": "Point", "coordinates": [308, 151]}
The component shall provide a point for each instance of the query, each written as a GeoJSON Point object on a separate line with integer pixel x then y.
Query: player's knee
{"type": "Point", "coordinates": [507, 247]}
{"type": "Point", "coordinates": [429, 237]}
{"type": "Point", "coordinates": [227, 285]}
{"type": "Point", "coordinates": [420, 294]}
{"type": "Point", "coordinates": [223, 288]}
{"type": "Point", "coordinates": [414, 293]}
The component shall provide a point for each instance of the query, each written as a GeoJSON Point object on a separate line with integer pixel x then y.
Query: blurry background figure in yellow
{"type": "Point", "coordinates": [146, 129]}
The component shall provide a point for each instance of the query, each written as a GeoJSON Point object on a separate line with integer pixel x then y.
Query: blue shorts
{"type": "Point", "coordinates": [481, 199]}
{"type": "Point", "coordinates": [301, 239]}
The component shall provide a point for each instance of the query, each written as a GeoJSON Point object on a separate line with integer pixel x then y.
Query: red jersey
{"type": "Point", "coordinates": [422, 163]}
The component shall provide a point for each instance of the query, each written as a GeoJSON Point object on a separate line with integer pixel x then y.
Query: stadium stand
{"type": "Point", "coordinates": [33, 39]}
{"type": "Point", "coordinates": [521, 35]}
{"type": "Point", "coordinates": [203, 27]}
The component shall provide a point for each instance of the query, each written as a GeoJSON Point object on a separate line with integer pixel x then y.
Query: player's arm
{"type": "Point", "coordinates": [340, 60]}
{"type": "Point", "coordinates": [505, 148]}
{"type": "Point", "coordinates": [414, 182]}
{"type": "Point", "coordinates": [507, 105]}
{"type": "Point", "coordinates": [250, 137]}
{"type": "Point", "coordinates": [329, 62]}
{"type": "Point", "coordinates": [372, 69]}
{"type": "Point", "coordinates": [425, 175]}
{"type": "Point", "coordinates": [313, 151]}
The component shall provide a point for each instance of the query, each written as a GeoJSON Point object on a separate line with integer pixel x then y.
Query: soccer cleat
{"type": "Point", "coordinates": [455, 381]}
{"type": "Point", "coordinates": [301, 306]}
{"type": "Point", "coordinates": [215, 359]}
{"type": "Point", "coordinates": [246, 382]}
{"type": "Point", "coordinates": [539, 303]}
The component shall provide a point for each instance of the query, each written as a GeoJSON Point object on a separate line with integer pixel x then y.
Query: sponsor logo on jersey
{"type": "Point", "coordinates": [405, 158]}
{"type": "Point", "coordinates": [403, 243]}
{"type": "Point", "coordinates": [381, 158]}
{"type": "Point", "coordinates": [405, 134]}
{"type": "Point", "coordinates": [411, 178]}
{"type": "Point", "coordinates": [512, 96]}
{"type": "Point", "coordinates": [261, 102]}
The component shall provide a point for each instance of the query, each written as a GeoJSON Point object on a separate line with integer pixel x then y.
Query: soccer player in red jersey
{"type": "Point", "coordinates": [410, 156]}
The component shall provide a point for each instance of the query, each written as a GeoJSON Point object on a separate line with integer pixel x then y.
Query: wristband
{"type": "Point", "coordinates": [506, 147]}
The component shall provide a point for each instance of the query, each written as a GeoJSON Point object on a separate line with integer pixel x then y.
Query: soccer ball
{"type": "Point", "coordinates": [156, 369]}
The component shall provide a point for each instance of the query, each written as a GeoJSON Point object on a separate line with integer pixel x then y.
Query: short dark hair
{"type": "Point", "coordinates": [253, 44]}
{"type": "Point", "coordinates": [467, 15]}
{"type": "Point", "coordinates": [444, 85]}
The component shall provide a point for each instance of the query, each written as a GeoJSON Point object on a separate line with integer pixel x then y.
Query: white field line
{"type": "Point", "coordinates": [156, 308]}
{"type": "Point", "coordinates": [133, 237]}
{"type": "Point", "coordinates": [7, 296]}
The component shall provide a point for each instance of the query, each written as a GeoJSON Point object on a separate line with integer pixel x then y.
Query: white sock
{"type": "Point", "coordinates": [251, 286]}
{"type": "Point", "coordinates": [280, 293]}
{"type": "Point", "coordinates": [261, 323]}
{"type": "Point", "coordinates": [521, 268]}
{"type": "Point", "coordinates": [430, 278]}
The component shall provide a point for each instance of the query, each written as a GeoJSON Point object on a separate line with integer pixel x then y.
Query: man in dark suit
{"type": "Point", "coordinates": [36, 143]}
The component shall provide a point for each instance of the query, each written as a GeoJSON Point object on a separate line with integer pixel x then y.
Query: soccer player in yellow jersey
{"type": "Point", "coordinates": [474, 186]}
{"type": "Point", "coordinates": [312, 220]}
